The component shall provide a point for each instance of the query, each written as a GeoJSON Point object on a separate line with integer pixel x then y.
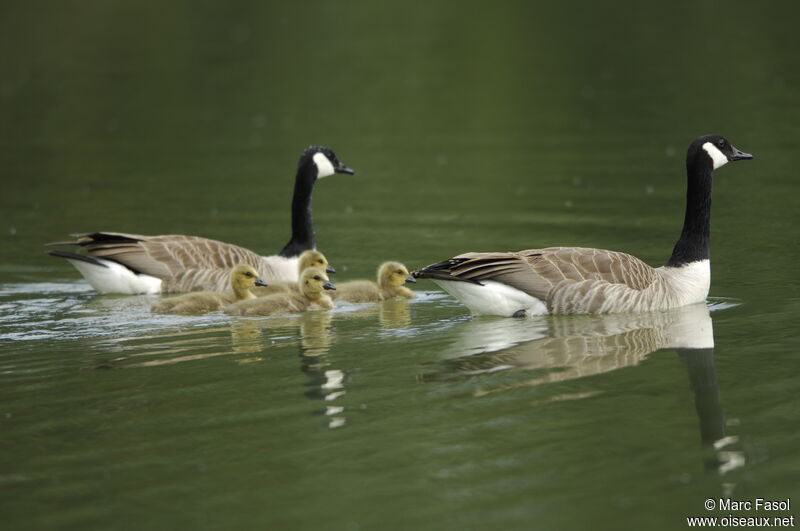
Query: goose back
{"type": "Point", "coordinates": [537, 271]}
{"type": "Point", "coordinates": [572, 280]}
{"type": "Point", "coordinates": [184, 263]}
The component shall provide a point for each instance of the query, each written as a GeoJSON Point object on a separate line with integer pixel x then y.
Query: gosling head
{"type": "Point", "coordinates": [314, 258]}
{"type": "Point", "coordinates": [393, 275]}
{"type": "Point", "coordinates": [714, 150]}
{"type": "Point", "coordinates": [324, 162]}
{"type": "Point", "coordinates": [313, 282]}
{"type": "Point", "coordinates": [244, 277]}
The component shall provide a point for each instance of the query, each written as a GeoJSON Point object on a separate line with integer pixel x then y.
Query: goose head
{"type": "Point", "coordinates": [323, 162]}
{"type": "Point", "coordinates": [244, 277]}
{"type": "Point", "coordinates": [713, 150]}
{"type": "Point", "coordinates": [314, 258]}
{"type": "Point", "coordinates": [393, 275]}
{"type": "Point", "coordinates": [313, 281]}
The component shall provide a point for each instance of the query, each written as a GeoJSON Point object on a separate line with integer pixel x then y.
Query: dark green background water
{"type": "Point", "coordinates": [473, 126]}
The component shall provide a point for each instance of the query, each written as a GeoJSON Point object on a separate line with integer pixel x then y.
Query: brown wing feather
{"type": "Point", "coordinates": [537, 271]}
{"type": "Point", "coordinates": [169, 255]}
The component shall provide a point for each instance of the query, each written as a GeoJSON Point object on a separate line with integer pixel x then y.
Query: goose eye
{"type": "Point", "coordinates": [721, 142]}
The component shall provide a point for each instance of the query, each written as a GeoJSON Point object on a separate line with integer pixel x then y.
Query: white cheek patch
{"type": "Point", "coordinates": [716, 155]}
{"type": "Point", "coordinates": [324, 165]}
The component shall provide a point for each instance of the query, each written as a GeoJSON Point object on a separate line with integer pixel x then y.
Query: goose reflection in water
{"type": "Point", "coordinates": [556, 349]}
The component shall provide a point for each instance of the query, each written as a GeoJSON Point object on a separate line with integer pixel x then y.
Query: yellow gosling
{"type": "Point", "coordinates": [310, 258]}
{"type": "Point", "coordinates": [310, 296]}
{"type": "Point", "coordinates": [391, 277]}
{"type": "Point", "coordinates": [242, 279]}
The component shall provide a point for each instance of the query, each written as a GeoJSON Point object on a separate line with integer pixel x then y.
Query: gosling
{"type": "Point", "coordinates": [309, 296]}
{"type": "Point", "coordinates": [243, 278]}
{"type": "Point", "coordinates": [391, 277]}
{"type": "Point", "coordinates": [309, 258]}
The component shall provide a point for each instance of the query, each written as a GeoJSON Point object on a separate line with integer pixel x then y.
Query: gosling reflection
{"type": "Point", "coordinates": [316, 334]}
{"type": "Point", "coordinates": [325, 383]}
{"type": "Point", "coordinates": [556, 349]}
{"type": "Point", "coordinates": [393, 313]}
{"type": "Point", "coordinates": [246, 338]}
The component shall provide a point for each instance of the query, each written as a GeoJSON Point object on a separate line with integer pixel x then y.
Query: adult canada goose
{"type": "Point", "coordinates": [242, 278]}
{"type": "Point", "coordinates": [313, 283]}
{"type": "Point", "coordinates": [391, 277]}
{"type": "Point", "coordinates": [131, 263]}
{"type": "Point", "coordinates": [310, 258]}
{"type": "Point", "coordinates": [571, 280]}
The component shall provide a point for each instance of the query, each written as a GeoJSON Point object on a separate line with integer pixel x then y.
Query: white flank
{"type": "Point", "coordinates": [493, 298]}
{"type": "Point", "coordinates": [324, 165]}
{"type": "Point", "coordinates": [282, 269]}
{"type": "Point", "coordinates": [116, 278]}
{"type": "Point", "coordinates": [689, 283]}
{"type": "Point", "coordinates": [716, 155]}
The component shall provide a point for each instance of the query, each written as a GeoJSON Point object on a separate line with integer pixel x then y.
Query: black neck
{"type": "Point", "coordinates": [302, 226]}
{"type": "Point", "coordinates": [693, 242]}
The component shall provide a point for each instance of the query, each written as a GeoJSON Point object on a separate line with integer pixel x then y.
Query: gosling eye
{"type": "Point", "coordinates": [320, 262]}
{"type": "Point", "coordinates": [248, 274]}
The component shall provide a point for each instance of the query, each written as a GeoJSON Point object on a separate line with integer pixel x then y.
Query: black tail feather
{"type": "Point", "coordinates": [93, 238]}
{"type": "Point", "coordinates": [442, 271]}
{"type": "Point", "coordinates": [54, 244]}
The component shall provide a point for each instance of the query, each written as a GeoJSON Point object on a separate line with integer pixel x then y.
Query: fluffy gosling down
{"type": "Point", "coordinates": [391, 277]}
{"type": "Point", "coordinates": [242, 279]}
{"type": "Point", "coordinates": [310, 296]}
{"type": "Point", "coordinates": [310, 258]}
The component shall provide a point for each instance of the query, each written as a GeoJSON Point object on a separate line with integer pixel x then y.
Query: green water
{"type": "Point", "coordinates": [472, 126]}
